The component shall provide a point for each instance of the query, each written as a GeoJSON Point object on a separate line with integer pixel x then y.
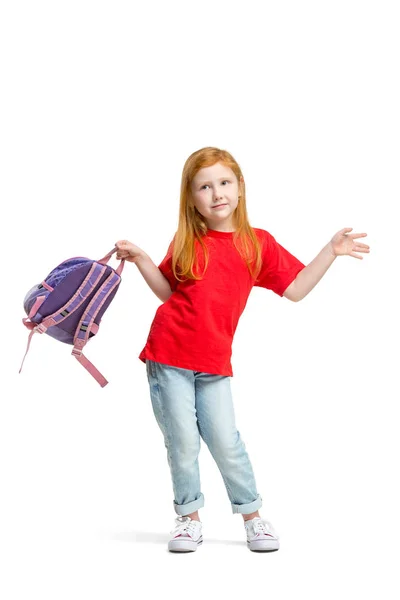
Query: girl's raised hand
{"type": "Point", "coordinates": [344, 243]}
{"type": "Point", "coordinates": [128, 251]}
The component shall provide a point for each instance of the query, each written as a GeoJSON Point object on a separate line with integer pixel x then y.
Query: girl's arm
{"type": "Point", "coordinates": [341, 243]}
{"type": "Point", "coordinates": [151, 273]}
{"type": "Point", "coordinates": [310, 275]}
{"type": "Point", "coordinates": [153, 277]}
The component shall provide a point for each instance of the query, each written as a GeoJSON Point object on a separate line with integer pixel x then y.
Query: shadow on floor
{"type": "Point", "coordinates": [161, 538]}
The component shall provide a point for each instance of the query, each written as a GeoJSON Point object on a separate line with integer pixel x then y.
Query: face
{"type": "Point", "coordinates": [213, 186]}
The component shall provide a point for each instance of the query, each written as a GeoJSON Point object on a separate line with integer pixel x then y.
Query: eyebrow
{"type": "Point", "coordinates": [220, 179]}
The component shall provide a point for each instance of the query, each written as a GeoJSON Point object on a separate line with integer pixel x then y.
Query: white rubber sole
{"type": "Point", "coordinates": [184, 544]}
{"type": "Point", "coordinates": [263, 545]}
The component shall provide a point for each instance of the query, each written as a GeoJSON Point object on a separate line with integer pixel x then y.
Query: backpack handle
{"type": "Point", "coordinates": [106, 258]}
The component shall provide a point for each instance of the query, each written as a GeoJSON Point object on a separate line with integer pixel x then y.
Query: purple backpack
{"type": "Point", "coordinates": [69, 304]}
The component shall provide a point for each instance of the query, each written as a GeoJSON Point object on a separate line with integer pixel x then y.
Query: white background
{"type": "Point", "coordinates": [101, 104]}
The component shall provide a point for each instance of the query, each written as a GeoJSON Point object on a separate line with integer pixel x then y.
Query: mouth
{"type": "Point", "coordinates": [218, 205]}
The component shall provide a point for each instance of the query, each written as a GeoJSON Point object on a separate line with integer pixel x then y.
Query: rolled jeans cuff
{"type": "Point", "coordinates": [246, 509]}
{"type": "Point", "coordinates": [190, 507]}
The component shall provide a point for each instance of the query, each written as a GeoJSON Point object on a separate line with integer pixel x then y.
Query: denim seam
{"type": "Point", "coordinates": [161, 406]}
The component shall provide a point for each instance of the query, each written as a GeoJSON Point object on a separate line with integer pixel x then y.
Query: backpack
{"type": "Point", "coordinates": [69, 304]}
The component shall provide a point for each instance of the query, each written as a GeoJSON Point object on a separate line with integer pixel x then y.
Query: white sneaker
{"type": "Point", "coordinates": [261, 536]}
{"type": "Point", "coordinates": [187, 535]}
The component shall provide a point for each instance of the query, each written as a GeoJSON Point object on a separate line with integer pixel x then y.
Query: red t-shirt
{"type": "Point", "coordinates": [194, 328]}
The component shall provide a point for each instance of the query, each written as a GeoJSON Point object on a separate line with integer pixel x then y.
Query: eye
{"type": "Point", "coordinates": [206, 184]}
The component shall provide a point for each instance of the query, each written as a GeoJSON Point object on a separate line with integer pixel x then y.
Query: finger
{"type": "Point", "coordinates": [356, 255]}
{"type": "Point", "coordinates": [357, 235]}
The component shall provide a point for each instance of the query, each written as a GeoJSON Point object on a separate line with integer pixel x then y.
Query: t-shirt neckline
{"type": "Point", "coordinates": [220, 234]}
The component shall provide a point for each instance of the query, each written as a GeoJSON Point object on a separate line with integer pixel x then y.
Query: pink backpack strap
{"type": "Point", "coordinates": [27, 322]}
{"type": "Point", "coordinates": [106, 258]}
{"type": "Point", "coordinates": [85, 289]}
{"type": "Point", "coordinates": [86, 325]}
{"type": "Point", "coordinates": [35, 328]}
{"type": "Point", "coordinates": [89, 367]}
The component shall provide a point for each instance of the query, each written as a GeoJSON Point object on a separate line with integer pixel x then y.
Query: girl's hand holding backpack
{"type": "Point", "coordinates": [128, 251]}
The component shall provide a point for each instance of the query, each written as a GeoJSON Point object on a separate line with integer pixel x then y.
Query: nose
{"type": "Point", "coordinates": [217, 195]}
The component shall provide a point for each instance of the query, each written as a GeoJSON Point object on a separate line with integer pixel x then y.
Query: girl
{"type": "Point", "coordinates": [211, 265]}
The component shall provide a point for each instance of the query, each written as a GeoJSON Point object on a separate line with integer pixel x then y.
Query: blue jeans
{"type": "Point", "coordinates": [189, 404]}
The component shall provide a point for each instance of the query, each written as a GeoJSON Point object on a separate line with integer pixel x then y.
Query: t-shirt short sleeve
{"type": "Point", "coordinates": [166, 269]}
{"type": "Point", "coordinates": [279, 266]}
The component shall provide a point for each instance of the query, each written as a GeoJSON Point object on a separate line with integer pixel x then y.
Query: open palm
{"type": "Point", "coordinates": [344, 243]}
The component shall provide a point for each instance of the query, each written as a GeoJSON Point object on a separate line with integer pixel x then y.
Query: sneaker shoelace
{"type": "Point", "coordinates": [184, 525]}
{"type": "Point", "coordinates": [263, 526]}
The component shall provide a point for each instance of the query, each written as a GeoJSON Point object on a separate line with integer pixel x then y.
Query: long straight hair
{"type": "Point", "coordinates": [192, 226]}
